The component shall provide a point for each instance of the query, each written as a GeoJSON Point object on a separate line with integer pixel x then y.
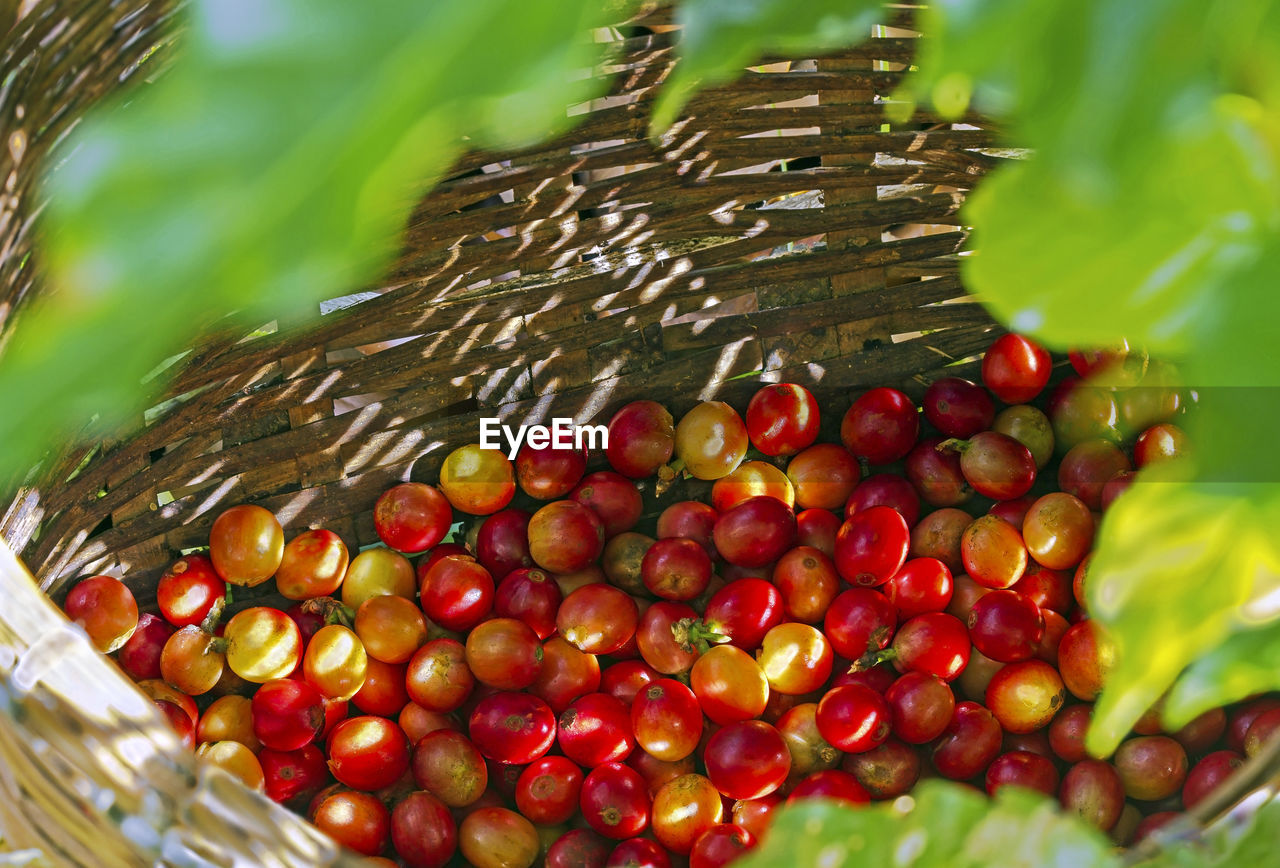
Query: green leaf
{"type": "Point", "coordinates": [1176, 564]}
{"type": "Point", "coordinates": [822, 832]}
{"type": "Point", "coordinates": [1248, 660]}
{"type": "Point", "coordinates": [1172, 269]}
{"type": "Point", "coordinates": [1023, 829]}
{"type": "Point", "coordinates": [1246, 663]}
{"type": "Point", "coordinates": [1149, 201]}
{"type": "Point", "coordinates": [940, 825]}
{"type": "Point", "coordinates": [272, 166]}
{"type": "Point", "coordinates": [1114, 101]}
{"type": "Point", "coordinates": [720, 38]}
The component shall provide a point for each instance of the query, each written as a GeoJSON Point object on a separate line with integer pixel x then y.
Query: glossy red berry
{"type": "Point", "coordinates": [1015, 368]}
{"type": "Point", "coordinates": [881, 426]}
{"type": "Point", "coordinates": [853, 718]}
{"type": "Point", "coordinates": [872, 546]}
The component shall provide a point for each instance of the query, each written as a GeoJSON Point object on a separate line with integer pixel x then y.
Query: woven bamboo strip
{"type": "Point", "coordinates": [78, 738]}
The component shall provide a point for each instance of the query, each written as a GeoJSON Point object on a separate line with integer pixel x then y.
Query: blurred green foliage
{"type": "Point", "coordinates": [721, 37]}
{"type": "Point", "coordinates": [1153, 181]}
{"type": "Point", "coordinates": [1184, 570]}
{"type": "Point", "coordinates": [272, 166]}
{"type": "Point", "coordinates": [944, 825]}
{"type": "Point", "coordinates": [940, 825]}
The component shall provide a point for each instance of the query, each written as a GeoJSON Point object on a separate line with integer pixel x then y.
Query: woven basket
{"type": "Point", "coordinates": [782, 231]}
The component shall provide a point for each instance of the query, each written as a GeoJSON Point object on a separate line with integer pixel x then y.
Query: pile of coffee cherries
{"type": "Point", "coordinates": [550, 663]}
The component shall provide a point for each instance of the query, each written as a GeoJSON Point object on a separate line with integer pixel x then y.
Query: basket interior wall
{"type": "Point", "coordinates": [785, 229]}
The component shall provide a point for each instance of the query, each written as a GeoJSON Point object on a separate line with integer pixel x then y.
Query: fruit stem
{"type": "Point", "coordinates": [667, 475]}
{"type": "Point", "coordinates": [954, 444]}
{"type": "Point", "coordinates": [872, 659]}
{"type": "Point", "coordinates": [691, 633]}
{"type": "Point", "coordinates": [210, 622]}
{"type": "Point", "coordinates": [333, 611]}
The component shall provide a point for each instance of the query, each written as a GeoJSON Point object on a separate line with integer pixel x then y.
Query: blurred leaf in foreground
{"type": "Point", "coordinates": [720, 37]}
{"type": "Point", "coordinates": [940, 825]}
{"type": "Point", "coordinates": [272, 166]}
{"type": "Point", "coordinates": [1246, 663]}
{"type": "Point", "coordinates": [1153, 175]}
{"type": "Point", "coordinates": [1176, 561]}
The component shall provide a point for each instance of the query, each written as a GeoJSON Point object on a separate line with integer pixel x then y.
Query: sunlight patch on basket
{"type": "Point", "coordinates": [473, 337]}
{"type": "Point", "coordinates": [641, 237]}
{"type": "Point", "coordinates": [215, 497]}
{"type": "Point", "coordinates": [431, 346]}
{"type": "Point", "coordinates": [641, 275]}
{"type": "Point", "coordinates": [598, 400]}
{"type": "Point", "coordinates": [568, 229]}
{"type": "Point", "coordinates": [611, 369]}
{"type": "Point", "coordinates": [686, 165]}
{"type": "Point", "coordinates": [362, 419]}
{"type": "Point", "coordinates": [489, 392]}
{"type": "Point", "coordinates": [174, 849]}
{"type": "Point", "coordinates": [571, 195]}
{"type": "Point", "coordinates": [138, 748]}
{"type": "Point", "coordinates": [63, 643]}
{"type": "Point", "coordinates": [323, 388]}
{"type": "Point", "coordinates": [677, 268]}
{"type": "Point", "coordinates": [725, 214]}
{"type": "Point", "coordinates": [541, 410]}
{"type": "Point", "coordinates": [601, 303]}
{"type": "Point", "coordinates": [609, 222]}
{"type": "Point", "coordinates": [133, 752]}
{"type": "Point", "coordinates": [567, 258]}
{"type": "Point", "coordinates": [202, 476]}
{"type": "Point", "coordinates": [669, 137]}
{"type": "Point", "coordinates": [677, 152]}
